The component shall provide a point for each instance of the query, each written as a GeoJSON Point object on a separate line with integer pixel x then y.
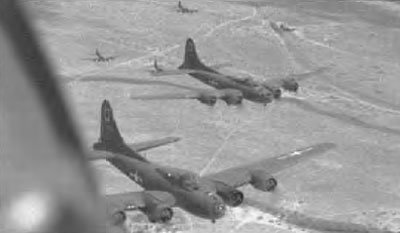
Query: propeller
{"type": "Point", "coordinates": [291, 82]}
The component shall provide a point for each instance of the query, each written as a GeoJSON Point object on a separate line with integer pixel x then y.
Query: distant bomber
{"type": "Point", "coordinates": [280, 27]}
{"type": "Point", "coordinates": [204, 196]}
{"type": "Point", "coordinates": [183, 10]}
{"type": "Point", "coordinates": [100, 58]}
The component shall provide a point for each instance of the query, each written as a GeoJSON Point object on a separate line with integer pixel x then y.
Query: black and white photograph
{"type": "Point", "coordinates": [199, 116]}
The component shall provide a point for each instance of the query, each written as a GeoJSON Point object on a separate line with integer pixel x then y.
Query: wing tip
{"type": "Point", "coordinates": [173, 138]}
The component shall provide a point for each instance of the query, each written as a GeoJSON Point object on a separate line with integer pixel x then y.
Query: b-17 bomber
{"type": "Point", "coordinates": [185, 10]}
{"type": "Point", "coordinates": [100, 58]}
{"type": "Point", "coordinates": [204, 196]}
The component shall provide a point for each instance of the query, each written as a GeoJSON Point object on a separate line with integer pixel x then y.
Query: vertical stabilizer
{"type": "Point", "coordinates": [98, 54]}
{"type": "Point", "coordinates": [191, 59]}
{"type": "Point", "coordinates": [110, 136]}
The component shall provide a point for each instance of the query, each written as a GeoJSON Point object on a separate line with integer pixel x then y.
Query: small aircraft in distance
{"type": "Point", "coordinates": [251, 89]}
{"type": "Point", "coordinates": [100, 58]}
{"type": "Point", "coordinates": [280, 27]}
{"type": "Point", "coordinates": [204, 196]}
{"type": "Point", "coordinates": [183, 10]}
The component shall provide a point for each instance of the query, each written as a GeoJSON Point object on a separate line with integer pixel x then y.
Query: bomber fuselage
{"type": "Point", "coordinates": [257, 94]}
{"type": "Point", "coordinates": [201, 200]}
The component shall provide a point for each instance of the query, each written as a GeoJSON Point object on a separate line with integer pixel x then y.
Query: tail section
{"type": "Point", "coordinates": [110, 138]}
{"type": "Point", "coordinates": [156, 67]}
{"type": "Point", "coordinates": [98, 54]}
{"type": "Point", "coordinates": [191, 60]}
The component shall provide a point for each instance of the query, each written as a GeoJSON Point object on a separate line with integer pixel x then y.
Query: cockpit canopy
{"type": "Point", "coordinates": [184, 179]}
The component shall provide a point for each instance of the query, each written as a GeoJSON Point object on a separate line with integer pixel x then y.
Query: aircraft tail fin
{"type": "Point", "coordinates": [191, 59]}
{"type": "Point", "coordinates": [156, 67]}
{"type": "Point", "coordinates": [97, 52]}
{"type": "Point", "coordinates": [110, 137]}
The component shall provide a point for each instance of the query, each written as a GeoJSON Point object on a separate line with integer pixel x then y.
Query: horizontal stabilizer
{"type": "Point", "coordinates": [307, 75]}
{"type": "Point", "coordinates": [96, 155]}
{"type": "Point", "coordinates": [147, 145]}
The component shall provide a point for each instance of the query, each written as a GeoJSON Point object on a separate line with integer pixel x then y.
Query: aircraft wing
{"type": "Point", "coordinates": [133, 200]}
{"type": "Point", "coordinates": [138, 147]}
{"type": "Point", "coordinates": [238, 176]}
{"type": "Point", "coordinates": [146, 145]}
{"type": "Point", "coordinates": [117, 204]}
{"type": "Point", "coordinates": [304, 76]}
{"type": "Point", "coordinates": [135, 81]}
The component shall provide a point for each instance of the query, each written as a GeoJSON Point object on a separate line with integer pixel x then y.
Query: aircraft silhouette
{"type": "Point", "coordinates": [204, 196]}
{"type": "Point", "coordinates": [183, 10]}
{"type": "Point", "coordinates": [251, 89]}
{"type": "Point", "coordinates": [280, 27]}
{"type": "Point", "coordinates": [100, 58]}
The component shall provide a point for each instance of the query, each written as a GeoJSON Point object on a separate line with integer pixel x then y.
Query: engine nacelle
{"type": "Point", "coordinates": [276, 91]}
{"type": "Point", "coordinates": [231, 196]}
{"type": "Point", "coordinates": [159, 213]}
{"type": "Point", "coordinates": [118, 218]}
{"type": "Point", "coordinates": [290, 84]}
{"type": "Point", "coordinates": [232, 96]}
{"type": "Point", "coordinates": [209, 100]}
{"type": "Point", "coordinates": [263, 181]}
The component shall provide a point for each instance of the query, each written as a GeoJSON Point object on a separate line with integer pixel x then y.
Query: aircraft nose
{"type": "Point", "coordinates": [216, 206]}
{"type": "Point", "coordinates": [219, 210]}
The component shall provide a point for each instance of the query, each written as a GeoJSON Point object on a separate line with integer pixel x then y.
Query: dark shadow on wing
{"type": "Point", "coordinates": [309, 222]}
{"type": "Point", "coordinates": [340, 116]}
